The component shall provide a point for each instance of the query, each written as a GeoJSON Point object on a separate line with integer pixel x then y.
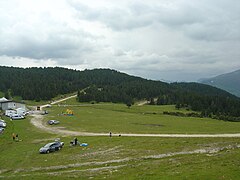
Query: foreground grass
{"type": "Point", "coordinates": [119, 157]}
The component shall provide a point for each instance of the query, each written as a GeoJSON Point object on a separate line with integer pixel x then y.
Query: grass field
{"type": "Point", "coordinates": [118, 118]}
{"type": "Point", "coordinates": [121, 157]}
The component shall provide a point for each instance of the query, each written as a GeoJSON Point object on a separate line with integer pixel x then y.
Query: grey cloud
{"type": "Point", "coordinates": [218, 30]}
{"type": "Point", "coordinates": [41, 36]}
{"type": "Point", "coordinates": [138, 14]}
{"type": "Point", "coordinates": [116, 18]}
{"type": "Point", "coordinates": [32, 43]}
{"type": "Point", "coordinates": [184, 14]}
{"type": "Point", "coordinates": [174, 39]}
{"type": "Point", "coordinates": [203, 20]}
{"type": "Point", "coordinates": [52, 47]}
{"type": "Point", "coordinates": [118, 52]}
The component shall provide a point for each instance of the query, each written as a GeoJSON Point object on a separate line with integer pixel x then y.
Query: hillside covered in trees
{"type": "Point", "coordinates": [105, 85]}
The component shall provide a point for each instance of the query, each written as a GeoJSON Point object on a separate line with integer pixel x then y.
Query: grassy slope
{"type": "Point", "coordinates": [18, 158]}
{"type": "Point", "coordinates": [117, 118]}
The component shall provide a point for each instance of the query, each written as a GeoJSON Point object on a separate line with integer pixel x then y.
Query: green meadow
{"type": "Point", "coordinates": [121, 157]}
{"type": "Point", "coordinates": [118, 118]}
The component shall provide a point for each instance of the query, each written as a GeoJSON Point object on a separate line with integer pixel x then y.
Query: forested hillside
{"type": "Point", "coordinates": [105, 85]}
{"type": "Point", "coordinates": [46, 83]}
{"type": "Point", "coordinates": [229, 82]}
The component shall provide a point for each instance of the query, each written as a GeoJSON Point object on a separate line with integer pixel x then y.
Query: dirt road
{"type": "Point", "coordinates": [58, 101]}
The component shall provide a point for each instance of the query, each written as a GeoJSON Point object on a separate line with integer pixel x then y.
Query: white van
{"type": "Point", "coordinates": [17, 116]}
{"type": "Point", "coordinates": [21, 111]}
{"type": "Point", "coordinates": [10, 113]}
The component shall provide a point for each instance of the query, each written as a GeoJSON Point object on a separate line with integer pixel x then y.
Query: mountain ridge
{"type": "Point", "coordinates": [229, 82]}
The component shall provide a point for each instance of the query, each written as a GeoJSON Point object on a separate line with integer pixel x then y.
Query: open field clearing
{"type": "Point", "coordinates": [117, 118]}
{"type": "Point", "coordinates": [121, 157]}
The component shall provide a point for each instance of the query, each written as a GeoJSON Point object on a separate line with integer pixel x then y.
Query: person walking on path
{"type": "Point", "coordinates": [110, 134]}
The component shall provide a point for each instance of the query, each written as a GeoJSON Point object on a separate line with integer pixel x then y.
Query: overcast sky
{"type": "Point", "coordinates": [176, 40]}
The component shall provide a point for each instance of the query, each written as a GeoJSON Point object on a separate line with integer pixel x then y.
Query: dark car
{"type": "Point", "coordinates": [51, 147]}
{"type": "Point", "coordinates": [51, 122]}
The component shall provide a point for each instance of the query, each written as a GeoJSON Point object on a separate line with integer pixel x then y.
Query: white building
{"type": "Point", "coordinates": [3, 100]}
{"type": "Point", "coordinates": [6, 104]}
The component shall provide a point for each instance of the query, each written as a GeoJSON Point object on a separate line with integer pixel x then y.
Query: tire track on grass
{"type": "Point", "coordinates": [62, 169]}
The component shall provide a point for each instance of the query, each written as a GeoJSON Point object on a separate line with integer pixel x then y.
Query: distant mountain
{"type": "Point", "coordinates": [229, 82]}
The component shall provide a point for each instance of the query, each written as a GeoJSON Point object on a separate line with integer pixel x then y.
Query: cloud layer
{"type": "Point", "coordinates": [177, 40]}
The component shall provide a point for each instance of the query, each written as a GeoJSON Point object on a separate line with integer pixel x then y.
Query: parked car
{"type": "Point", "coordinates": [10, 113]}
{"type": "Point", "coordinates": [52, 122]}
{"type": "Point", "coordinates": [44, 112]}
{"type": "Point", "coordinates": [3, 124]}
{"type": "Point", "coordinates": [51, 147]}
{"type": "Point", "coordinates": [15, 117]}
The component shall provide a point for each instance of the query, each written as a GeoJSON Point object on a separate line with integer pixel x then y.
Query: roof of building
{"type": "Point", "coordinates": [3, 99]}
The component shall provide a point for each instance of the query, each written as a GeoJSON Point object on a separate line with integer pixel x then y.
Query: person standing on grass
{"type": "Point", "coordinates": [75, 141]}
{"type": "Point", "coordinates": [13, 137]}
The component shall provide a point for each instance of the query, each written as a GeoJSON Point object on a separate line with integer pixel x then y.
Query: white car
{"type": "Point", "coordinates": [10, 113]}
{"type": "Point", "coordinates": [51, 122]}
{"type": "Point", "coordinates": [3, 124]}
{"type": "Point", "coordinates": [16, 117]}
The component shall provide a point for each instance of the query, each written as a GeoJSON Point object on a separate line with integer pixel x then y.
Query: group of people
{"type": "Point", "coordinates": [110, 134]}
{"type": "Point", "coordinates": [74, 142]}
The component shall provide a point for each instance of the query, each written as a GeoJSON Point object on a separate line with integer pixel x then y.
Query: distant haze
{"type": "Point", "coordinates": [175, 40]}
